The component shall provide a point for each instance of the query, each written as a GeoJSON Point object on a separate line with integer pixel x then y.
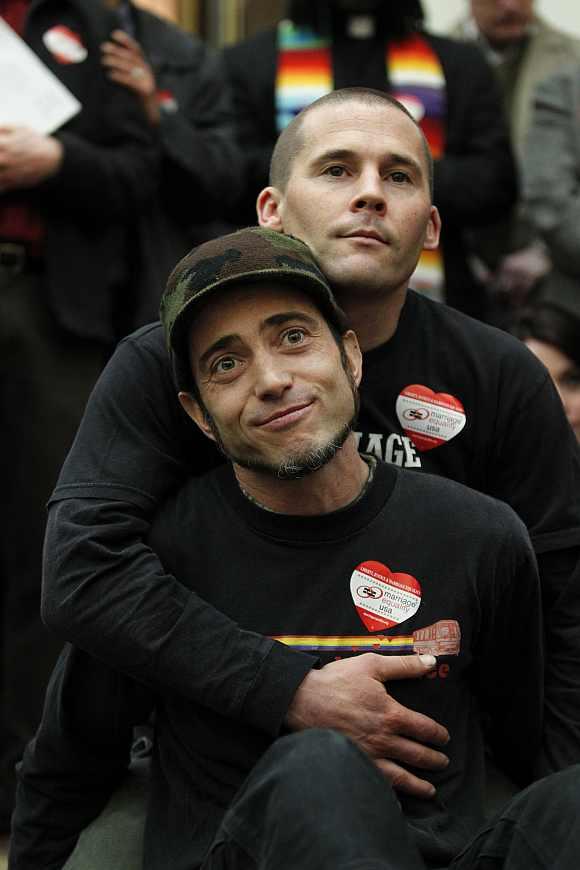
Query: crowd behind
{"type": "Point", "coordinates": [171, 148]}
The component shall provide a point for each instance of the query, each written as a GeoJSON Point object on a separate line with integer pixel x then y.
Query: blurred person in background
{"type": "Point", "coordinates": [552, 333]}
{"type": "Point", "coordinates": [182, 90]}
{"type": "Point", "coordinates": [447, 85]}
{"type": "Point", "coordinates": [523, 49]}
{"type": "Point", "coordinates": [552, 173]}
{"type": "Point", "coordinates": [67, 201]}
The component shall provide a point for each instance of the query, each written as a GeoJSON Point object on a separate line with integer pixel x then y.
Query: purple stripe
{"type": "Point", "coordinates": [433, 99]}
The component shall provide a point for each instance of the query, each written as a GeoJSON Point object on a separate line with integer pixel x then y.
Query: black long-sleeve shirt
{"type": "Point", "coordinates": [107, 591]}
{"type": "Point", "coordinates": [468, 594]}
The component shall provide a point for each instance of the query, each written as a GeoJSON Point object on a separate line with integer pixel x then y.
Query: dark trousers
{"type": "Point", "coordinates": [45, 379]}
{"type": "Point", "coordinates": [315, 802]}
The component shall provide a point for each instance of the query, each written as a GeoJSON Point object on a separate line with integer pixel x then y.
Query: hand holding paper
{"type": "Point", "coordinates": [30, 95]}
{"type": "Point", "coordinates": [27, 157]}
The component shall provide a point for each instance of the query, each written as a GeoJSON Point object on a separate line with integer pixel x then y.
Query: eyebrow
{"type": "Point", "coordinates": [392, 157]}
{"type": "Point", "coordinates": [285, 316]}
{"type": "Point", "coordinates": [227, 341]}
{"type": "Point", "coordinates": [222, 343]}
{"type": "Point", "coordinates": [335, 154]}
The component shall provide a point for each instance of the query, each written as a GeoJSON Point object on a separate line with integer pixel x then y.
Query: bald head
{"type": "Point", "coordinates": [291, 139]}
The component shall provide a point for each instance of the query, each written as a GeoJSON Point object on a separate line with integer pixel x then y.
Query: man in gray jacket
{"type": "Point", "coordinates": [523, 49]}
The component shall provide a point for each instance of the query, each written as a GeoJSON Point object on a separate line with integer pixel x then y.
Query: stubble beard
{"type": "Point", "coordinates": [293, 466]}
{"type": "Point", "coordinates": [299, 464]}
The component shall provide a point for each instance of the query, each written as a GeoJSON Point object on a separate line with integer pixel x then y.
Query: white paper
{"type": "Point", "coordinates": [30, 94]}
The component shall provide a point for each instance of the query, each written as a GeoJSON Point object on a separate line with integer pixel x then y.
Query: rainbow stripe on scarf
{"type": "Point", "coordinates": [416, 79]}
{"type": "Point", "coordinates": [304, 71]}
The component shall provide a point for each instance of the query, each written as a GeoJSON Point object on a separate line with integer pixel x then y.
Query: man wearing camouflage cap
{"type": "Point", "coordinates": [242, 258]}
{"type": "Point", "coordinates": [352, 180]}
{"type": "Point", "coordinates": [314, 545]}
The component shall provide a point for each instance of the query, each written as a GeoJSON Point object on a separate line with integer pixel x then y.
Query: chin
{"type": "Point", "coordinates": [360, 274]}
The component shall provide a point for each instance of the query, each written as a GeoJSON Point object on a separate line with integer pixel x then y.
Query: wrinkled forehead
{"type": "Point", "coordinates": [247, 311]}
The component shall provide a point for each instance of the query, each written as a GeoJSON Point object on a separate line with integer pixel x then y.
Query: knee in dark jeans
{"type": "Point", "coordinates": [308, 751]}
{"type": "Point", "coordinates": [316, 801]}
{"type": "Point", "coordinates": [556, 796]}
{"type": "Point", "coordinates": [538, 830]}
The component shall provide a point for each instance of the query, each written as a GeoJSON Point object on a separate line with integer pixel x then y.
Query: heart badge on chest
{"type": "Point", "coordinates": [382, 598]}
{"type": "Point", "coordinates": [65, 44]}
{"type": "Point", "coordinates": [428, 418]}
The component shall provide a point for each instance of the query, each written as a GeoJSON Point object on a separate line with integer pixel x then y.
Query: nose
{"type": "Point", "coordinates": [370, 195]}
{"type": "Point", "coordinates": [272, 378]}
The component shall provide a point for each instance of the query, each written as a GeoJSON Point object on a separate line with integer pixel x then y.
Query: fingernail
{"type": "Point", "coordinates": [428, 661]}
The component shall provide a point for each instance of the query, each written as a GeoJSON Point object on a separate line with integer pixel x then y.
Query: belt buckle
{"type": "Point", "coordinates": [12, 257]}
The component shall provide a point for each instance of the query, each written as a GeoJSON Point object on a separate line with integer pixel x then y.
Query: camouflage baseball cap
{"type": "Point", "coordinates": [248, 256]}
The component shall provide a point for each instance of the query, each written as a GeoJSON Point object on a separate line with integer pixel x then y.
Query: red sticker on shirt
{"type": "Point", "coordinates": [428, 418]}
{"type": "Point", "coordinates": [65, 44]}
{"type": "Point", "coordinates": [382, 598]}
{"type": "Point", "coordinates": [167, 100]}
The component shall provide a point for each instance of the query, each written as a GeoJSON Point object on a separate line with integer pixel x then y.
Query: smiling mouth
{"type": "Point", "coordinates": [286, 416]}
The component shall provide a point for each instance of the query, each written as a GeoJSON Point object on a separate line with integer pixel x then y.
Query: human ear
{"type": "Point", "coordinates": [268, 208]}
{"type": "Point", "coordinates": [433, 230]}
{"type": "Point", "coordinates": [353, 355]}
{"type": "Point", "coordinates": [196, 413]}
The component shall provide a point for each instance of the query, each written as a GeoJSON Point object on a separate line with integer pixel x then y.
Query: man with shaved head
{"type": "Point", "coordinates": [439, 393]}
{"type": "Point", "coordinates": [446, 84]}
{"type": "Point", "coordinates": [366, 215]}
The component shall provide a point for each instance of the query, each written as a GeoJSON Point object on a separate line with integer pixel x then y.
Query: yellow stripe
{"type": "Point", "coordinates": [405, 60]}
{"type": "Point", "coordinates": [288, 78]}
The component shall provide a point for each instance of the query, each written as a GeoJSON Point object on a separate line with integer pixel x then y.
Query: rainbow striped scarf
{"type": "Point", "coordinates": [416, 79]}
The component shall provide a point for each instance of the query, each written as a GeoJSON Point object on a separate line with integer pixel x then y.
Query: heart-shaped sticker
{"type": "Point", "coordinates": [428, 418]}
{"type": "Point", "coordinates": [382, 598]}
